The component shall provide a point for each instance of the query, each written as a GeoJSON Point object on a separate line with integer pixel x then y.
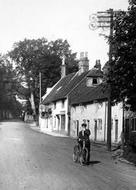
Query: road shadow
{"type": "Point", "coordinates": [94, 162]}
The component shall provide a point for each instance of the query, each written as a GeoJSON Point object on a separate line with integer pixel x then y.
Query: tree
{"type": "Point", "coordinates": [8, 90]}
{"type": "Point", "coordinates": [122, 73]}
{"type": "Point", "coordinates": [32, 57]}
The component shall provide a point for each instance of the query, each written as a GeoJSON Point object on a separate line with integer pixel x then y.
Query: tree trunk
{"type": "Point", "coordinates": [32, 103]}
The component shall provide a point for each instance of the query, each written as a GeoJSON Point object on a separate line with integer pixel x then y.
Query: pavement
{"type": "Point", "coordinates": [37, 128]}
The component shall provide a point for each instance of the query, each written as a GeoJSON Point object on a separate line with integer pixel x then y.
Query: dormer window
{"type": "Point", "coordinates": [95, 76]}
{"type": "Point", "coordinates": [94, 81]}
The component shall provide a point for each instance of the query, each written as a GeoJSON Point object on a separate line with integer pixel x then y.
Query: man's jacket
{"type": "Point", "coordinates": [84, 135]}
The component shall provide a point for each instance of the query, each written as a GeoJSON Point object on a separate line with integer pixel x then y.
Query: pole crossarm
{"type": "Point", "coordinates": [102, 19]}
{"type": "Point", "coordinates": [99, 20]}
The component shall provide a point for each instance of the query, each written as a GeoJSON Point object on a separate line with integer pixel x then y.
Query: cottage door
{"type": "Point", "coordinates": [62, 122]}
{"type": "Point", "coordinates": [58, 122]}
{"type": "Point", "coordinates": [116, 130]}
{"type": "Point", "coordinates": [95, 130]}
{"type": "Point", "coordinates": [127, 130]}
{"type": "Point", "coordinates": [77, 126]}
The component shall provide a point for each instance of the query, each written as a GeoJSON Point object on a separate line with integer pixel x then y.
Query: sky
{"type": "Point", "coordinates": [54, 19]}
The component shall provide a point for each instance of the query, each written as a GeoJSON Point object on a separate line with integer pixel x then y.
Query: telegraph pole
{"type": "Point", "coordinates": [40, 87]}
{"type": "Point", "coordinates": [105, 20]}
{"type": "Point", "coordinates": [109, 96]}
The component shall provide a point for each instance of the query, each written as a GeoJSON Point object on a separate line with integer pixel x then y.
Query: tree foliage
{"type": "Point", "coordinates": [122, 73]}
{"type": "Point", "coordinates": [8, 90]}
{"type": "Point", "coordinates": [32, 57]}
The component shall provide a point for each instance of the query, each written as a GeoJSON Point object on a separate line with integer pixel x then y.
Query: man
{"type": "Point", "coordinates": [84, 135]}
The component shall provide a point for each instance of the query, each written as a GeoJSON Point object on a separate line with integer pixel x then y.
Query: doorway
{"type": "Point", "coordinates": [77, 127]}
{"type": "Point", "coordinates": [127, 130]}
{"type": "Point", "coordinates": [116, 130]}
{"type": "Point", "coordinates": [62, 122]}
{"type": "Point", "coordinates": [95, 130]}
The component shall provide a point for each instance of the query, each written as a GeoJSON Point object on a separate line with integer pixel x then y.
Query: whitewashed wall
{"type": "Point", "coordinates": [60, 109]}
{"type": "Point", "coordinates": [52, 123]}
{"type": "Point", "coordinates": [117, 114]}
{"type": "Point", "coordinates": [45, 124]}
{"type": "Point", "coordinates": [92, 112]}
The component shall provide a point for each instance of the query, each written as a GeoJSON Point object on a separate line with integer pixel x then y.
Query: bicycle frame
{"type": "Point", "coordinates": [80, 153]}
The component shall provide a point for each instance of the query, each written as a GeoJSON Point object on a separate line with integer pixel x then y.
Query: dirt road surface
{"type": "Point", "coordinates": [30, 160]}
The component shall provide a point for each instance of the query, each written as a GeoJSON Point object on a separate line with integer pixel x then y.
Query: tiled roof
{"type": "Point", "coordinates": [63, 87]}
{"type": "Point", "coordinates": [84, 94]}
{"type": "Point", "coordinates": [95, 73]}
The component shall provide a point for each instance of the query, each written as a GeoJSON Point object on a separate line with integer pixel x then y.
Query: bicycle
{"type": "Point", "coordinates": [80, 154]}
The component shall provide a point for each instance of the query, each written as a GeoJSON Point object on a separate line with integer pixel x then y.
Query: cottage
{"type": "Point", "coordinates": [88, 104]}
{"type": "Point", "coordinates": [77, 98]}
{"type": "Point", "coordinates": [55, 116]}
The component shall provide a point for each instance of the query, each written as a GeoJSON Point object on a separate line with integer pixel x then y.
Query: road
{"type": "Point", "coordinates": [30, 160]}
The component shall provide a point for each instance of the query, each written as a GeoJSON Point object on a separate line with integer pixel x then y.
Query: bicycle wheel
{"type": "Point", "coordinates": [84, 156]}
{"type": "Point", "coordinates": [81, 159]}
{"type": "Point", "coordinates": [76, 153]}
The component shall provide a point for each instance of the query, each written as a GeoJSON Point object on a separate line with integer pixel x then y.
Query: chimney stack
{"type": "Point", "coordinates": [98, 65]}
{"type": "Point", "coordinates": [63, 67]}
{"type": "Point", "coordinates": [83, 63]}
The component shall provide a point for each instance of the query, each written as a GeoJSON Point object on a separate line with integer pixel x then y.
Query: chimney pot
{"type": "Point", "coordinates": [86, 54]}
{"type": "Point", "coordinates": [81, 55]}
{"type": "Point", "coordinates": [98, 64]}
{"type": "Point", "coordinates": [63, 67]}
{"type": "Point", "coordinates": [83, 63]}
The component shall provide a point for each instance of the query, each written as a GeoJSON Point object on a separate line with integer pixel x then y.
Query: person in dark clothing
{"type": "Point", "coordinates": [84, 135]}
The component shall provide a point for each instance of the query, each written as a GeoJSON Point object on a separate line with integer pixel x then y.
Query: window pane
{"type": "Point", "coordinates": [94, 81]}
